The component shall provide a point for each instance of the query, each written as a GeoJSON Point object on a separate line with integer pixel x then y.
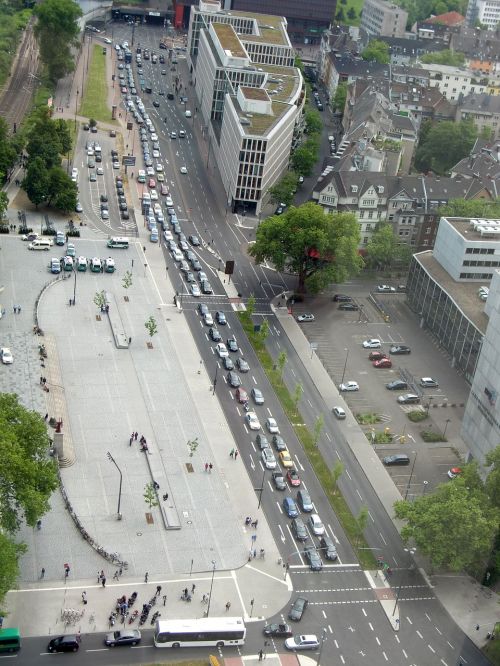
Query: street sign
{"type": "Point", "coordinates": [313, 345]}
{"type": "Point", "coordinates": [229, 269]}
{"type": "Point", "coordinates": [128, 160]}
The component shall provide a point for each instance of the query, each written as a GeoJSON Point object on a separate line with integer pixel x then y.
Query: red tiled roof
{"type": "Point", "coordinates": [449, 19]}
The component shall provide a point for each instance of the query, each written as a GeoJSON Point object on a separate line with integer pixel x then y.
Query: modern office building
{"type": "Point", "coordinates": [249, 95]}
{"type": "Point", "coordinates": [383, 18]}
{"type": "Point", "coordinates": [486, 12]}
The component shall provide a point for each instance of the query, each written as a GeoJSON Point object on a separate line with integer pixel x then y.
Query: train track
{"type": "Point", "coordinates": [18, 93]}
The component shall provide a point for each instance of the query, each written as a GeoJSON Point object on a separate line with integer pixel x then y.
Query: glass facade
{"type": "Point", "coordinates": [443, 317]}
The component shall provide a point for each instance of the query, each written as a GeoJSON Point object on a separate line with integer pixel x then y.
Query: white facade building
{"type": "Point", "coordinates": [455, 81]}
{"type": "Point", "coordinates": [486, 12]}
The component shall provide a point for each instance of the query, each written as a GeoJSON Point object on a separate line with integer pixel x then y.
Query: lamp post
{"type": "Point", "coordinates": [345, 364]}
{"type": "Point", "coordinates": [445, 428]}
{"type": "Point", "coordinates": [411, 474]}
{"type": "Point", "coordinates": [323, 638]}
{"type": "Point", "coordinates": [74, 290]}
{"type": "Point", "coordinates": [211, 588]}
{"type": "Point", "coordinates": [261, 487]}
{"type": "Point", "coordinates": [411, 552]}
{"type": "Point", "coordinates": [215, 378]}
{"type": "Point", "coordinates": [119, 515]}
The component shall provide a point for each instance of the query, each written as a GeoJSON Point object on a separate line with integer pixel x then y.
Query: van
{"type": "Point", "coordinates": [74, 174]}
{"type": "Point", "coordinates": [41, 244]}
{"type": "Point", "coordinates": [95, 265]}
{"type": "Point", "coordinates": [67, 263]}
{"type": "Point", "coordinates": [109, 265]}
{"type": "Point", "coordinates": [304, 501]}
{"type": "Point", "coordinates": [188, 114]}
{"type": "Point", "coordinates": [154, 235]}
{"type": "Point", "coordinates": [60, 238]}
{"type": "Point", "coordinates": [141, 177]}
{"type": "Point", "coordinates": [81, 264]}
{"type": "Point", "coordinates": [396, 459]}
{"type": "Point", "coordinates": [118, 242]}
{"type": "Point", "coordinates": [10, 640]}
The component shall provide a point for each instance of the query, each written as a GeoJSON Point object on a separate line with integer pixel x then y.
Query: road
{"type": "Point", "coordinates": [340, 597]}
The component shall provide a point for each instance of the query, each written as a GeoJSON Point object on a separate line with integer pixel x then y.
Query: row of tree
{"type": "Point", "coordinates": [457, 525]}
{"type": "Point", "coordinates": [57, 32]}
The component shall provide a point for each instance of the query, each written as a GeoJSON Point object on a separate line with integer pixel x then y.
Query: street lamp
{"type": "Point", "coordinates": [261, 487]}
{"type": "Point", "coordinates": [411, 474]}
{"type": "Point", "coordinates": [323, 638]}
{"type": "Point", "coordinates": [211, 587]}
{"type": "Point", "coordinates": [74, 291]}
{"type": "Point", "coordinates": [345, 364]}
{"type": "Point", "coordinates": [119, 515]}
{"type": "Point", "coordinates": [411, 552]}
{"type": "Point", "coordinates": [445, 428]}
{"type": "Point", "coordinates": [215, 378]}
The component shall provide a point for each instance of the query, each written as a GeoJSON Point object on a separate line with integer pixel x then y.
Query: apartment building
{"type": "Point", "coordinates": [483, 110]}
{"type": "Point", "coordinates": [250, 97]}
{"type": "Point", "coordinates": [379, 17]}
{"type": "Point", "coordinates": [455, 81]}
{"type": "Point", "coordinates": [486, 12]}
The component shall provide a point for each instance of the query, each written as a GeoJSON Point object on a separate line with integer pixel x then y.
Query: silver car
{"type": "Point", "coordinates": [268, 458]}
{"type": "Point", "coordinates": [257, 396]}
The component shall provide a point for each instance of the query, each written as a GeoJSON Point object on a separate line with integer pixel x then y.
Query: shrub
{"type": "Point", "coordinates": [432, 436]}
{"type": "Point", "coordinates": [368, 419]}
{"type": "Point", "coordinates": [381, 437]}
{"type": "Point", "coordinates": [417, 416]}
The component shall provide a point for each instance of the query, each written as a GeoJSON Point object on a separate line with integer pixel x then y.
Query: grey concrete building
{"type": "Point", "coordinates": [383, 18]}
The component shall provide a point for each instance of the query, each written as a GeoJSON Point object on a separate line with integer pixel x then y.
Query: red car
{"type": "Point", "coordinates": [376, 355]}
{"type": "Point", "coordinates": [241, 395]}
{"type": "Point", "coordinates": [383, 363]}
{"type": "Point", "coordinates": [292, 477]}
{"type": "Point", "coordinates": [152, 183]}
{"type": "Point", "coordinates": [164, 189]}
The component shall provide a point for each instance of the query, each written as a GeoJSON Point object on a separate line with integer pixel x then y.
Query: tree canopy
{"type": "Point", "coordinates": [57, 31]}
{"type": "Point", "coordinates": [383, 248]}
{"type": "Point", "coordinates": [340, 97]}
{"type": "Point", "coordinates": [472, 208]}
{"type": "Point", "coordinates": [443, 144]}
{"type": "Point", "coordinates": [313, 121]}
{"type": "Point", "coordinates": [319, 248]}
{"type": "Point", "coordinates": [377, 51]}
{"type": "Point", "coordinates": [284, 189]}
{"type": "Point", "coordinates": [422, 9]}
{"type": "Point", "coordinates": [445, 57]}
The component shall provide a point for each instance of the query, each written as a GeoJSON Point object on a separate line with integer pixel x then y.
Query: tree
{"type": "Point", "coordinates": [36, 181]}
{"type": "Point", "coordinates": [318, 427]}
{"type": "Point", "coordinates": [314, 124]}
{"type": "Point", "coordinates": [27, 476]}
{"type": "Point", "coordinates": [192, 445]}
{"type": "Point", "coordinates": [297, 395]}
{"type": "Point", "coordinates": [250, 306]}
{"type": "Point", "coordinates": [444, 144]}
{"type": "Point", "coordinates": [492, 485]}
{"type": "Point", "coordinates": [10, 552]}
{"type": "Point", "coordinates": [151, 326]}
{"type": "Point", "coordinates": [471, 208]}
{"type": "Point", "coordinates": [92, 122]}
{"type": "Point", "coordinates": [303, 159]}
{"type": "Point", "coordinates": [57, 18]}
{"type": "Point", "coordinates": [8, 151]}
{"type": "Point", "coordinates": [429, 518]}
{"type": "Point", "coordinates": [337, 471]}
{"type": "Point", "coordinates": [150, 496]}
{"type": "Point", "coordinates": [319, 248]}
{"type": "Point", "coordinates": [264, 330]}
{"type": "Point", "coordinates": [361, 522]}
{"type": "Point", "coordinates": [4, 204]}
{"type": "Point", "coordinates": [445, 57]}
{"type": "Point", "coordinates": [381, 248]}
{"type": "Point", "coordinates": [127, 280]}
{"type": "Point", "coordinates": [62, 192]}
{"type": "Point", "coordinates": [351, 14]}
{"type": "Point", "coordinates": [377, 51]}
{"type": "Point", "coordinates": [340, 97]}
{"type": "Point", "coordinates": [340, 16]}
{"type": "Point", "coordinates": [281, 362]}
{"type": "Point", "coordinates": [284, 189]}
{"type": "Point", "coordinates": [100, 299]}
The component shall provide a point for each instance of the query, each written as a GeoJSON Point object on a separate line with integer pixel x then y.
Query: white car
{"type": "Point", "coordinates": [150, 171]}
{"type": "Point", "coordinates": [184, 169]}
{"type": "Point", "coordinates": [305, 317]}
{"type": "Point", "coordinates": [169, 201]}
{"type": "Point", "coordinates": [177, 255]}
{"type": "Point", "coordinates": [195, 290]}
{"type": "Point", "coordinates": [349, 386]}
{"type": "Point", "coordinates": [316, 525]}
{"type": "Point", "coordinates": [107, 40]}
{"type": "Point", "coordinates": [272, 426]}
{"type": "Point", "coordinates": [100, 171]}
{"type": "Point", "coordinates": [221, 350]}
{"type": "Point", "coordinates": [167, 235]}
{"type": "Point", "coordinates": [372, 343]}
{"type": "Point", "coordinates": [159, 167]}
{"type": "Point", "coordinates": [385, 289]}
{"type": "Point", "coordinates": [208, 319]}
{"type": "Point", "coordinates": [302, 642]}
{"type": "Point", "coordinates": [156, 155]}
{"type": "Point", "coordinates": [6, 356]}
{"type": "Point", "coordinates": [252, 421]}
{"type": "Point", "coordinates": [154, 195]}
{"type": "Point", "coordinates": [154, 136]}
{"type": "Point", "coordinates": [268, 458]}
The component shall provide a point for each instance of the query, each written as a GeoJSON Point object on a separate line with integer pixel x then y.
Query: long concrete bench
{"type": "Point", "coordinates": [115, 321]}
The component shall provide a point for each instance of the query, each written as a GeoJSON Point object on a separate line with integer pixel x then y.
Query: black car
{"type": "Point", "coordinates": [297, 609]}
{"type": "Point", "coordinates": [279, 480]}
{"type": "Point", "coordinates": [279, 443]}
{"type": "Point", "coordinates": [68, 643]}
{"type": "Point", "coordinates": [397, 385]}
{"type": "Point", "coordinates": [214, 334]}
{"type": "Point", "coordinates": [120, 191]}
{"type": "Point", "coordinates": [221, 318]}
{"type": "Point", "coordinates": [156, 103]}
{"type": "Point", "coordinates": [277, 630]}
{"type": "Point", "coordinates": [202, 308]}
{"type": "Point", "coordinates": [312, 556]}
{"type": "Point", "coordinates": [232, 345]}
{"type": "Point", "coordinates": [194, 240]}
{"type": "Point", "coordinates": [123, 205]}
{"type": "Point", "coordinates": [123, 637]}
{"type": "Point", "coordinates": [227, 362]}
{"type": "Point", "coordinates": [242, 365]}
{"type": "Point", "coordinates": [206, 287]}
{"type": "Point", "coordinates": [400, 349]}
{"type": "Point", "coordinates": [299, 529]}
{"type": "Point", "coordinates": [351, 307]}
{"type": "Point", "coordinates": [125, 215]}
{"type": "Point", "coordinates": [233, 379]}
{"type": "Point", "coordinates": [342, 298]}
{"type": "Point", "coordinates": [262, 441]}
{"type": "Point", "coordinates": [328, 548]}
{"type": "Point", "coordinates": [104, 198]}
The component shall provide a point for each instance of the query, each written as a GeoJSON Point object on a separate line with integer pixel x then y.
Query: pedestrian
{"type": "Point", "coordinates": [41, 381]}
{"type": "Point", "coordinates": [158, 590]}
{"type": "Point", "coordinates": [18, 309]}
{"type": "Point", "coordinates": [78, 637]}
{"type": "Point", "coordinates": [193, 588]}
{"type": "Point", "coordinates": [185, 592]}
{"type": "Point", "coordinates": [231, 453]}
{"type": "Point", "coordinates": [131, 440]}
{"type": "Point", "coordinates": [204, 599]}
{"type": "Point", "coordinates": [228, 606]}
{"type": "Point", "coordinates": [156, 485]}
{"type": "Point", "coordinates": [261, 654]}
{"type": "Point", "coordinates": [66, 571]}
{"type": "Point", "coordinates": [120, 571]}
{"type": "Point", "coordinates": [146, 575]}
{"type": "Point", "coordinates": [42, 573]}
{"type": "Point", "coordinates": [46, 417]}
{"type": "Point", "coordinates": [99, 576]}
{"type": "Point", "coordinates": [206, 467]}
{"type": "Point", "coordinates": [103, 580]}
{"type": "Point", "coordinates": [164, 599]}
{"type": "Point", "coordinates": [84, 597]}
{"type": "Point", "coordinates": [115, 575]}
{"type": "Point", "coordinates": [255, 523]}
{"type": "Point", "coordinates": [165, 497]}
{"type": "Point", "coordinates": [136, 434]}
{"type": "Point", "coordinates": [210, 468]}
{"type": "Point", "coordinates": [235, 453]}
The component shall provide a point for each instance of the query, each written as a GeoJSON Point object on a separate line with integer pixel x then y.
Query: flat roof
{"type": "Point", "coordinates": [464, 227]}
{"type": "Point", "coordinates": [229, 40]}
{"type": "Point", "coordinates": [254, 93]}
{"type": "Point", "coordinates": [464, 293]}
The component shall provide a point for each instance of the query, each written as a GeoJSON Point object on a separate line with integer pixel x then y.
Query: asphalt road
{"type": "Point", "coordinates": [340, 599]}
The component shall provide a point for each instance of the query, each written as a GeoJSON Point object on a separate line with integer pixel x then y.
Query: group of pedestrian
{"type": "Point", "coordinates": [101, 578]}
{"type": "Point", "coordinates": [233, 453]}
{"type": "Point", "coordinates": [43, 381]}
{"type": "Point", "coordinates": [17, 309]}
{"type": "Point", "coordinates": [208, 467]}
{"type": "Point", "coordinates": [12, 227]}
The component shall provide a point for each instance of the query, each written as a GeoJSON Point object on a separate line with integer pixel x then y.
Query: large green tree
{"type": "Point", "coordinates": [472, 208]}
{"type": "Point", "coordinates": [8, 152]}
{"type": "Point", "coordinates": [377, 51]}
{"type": "Point", "coordinates": [284, 189]}
{"type": "Point", "coordinates": [444, 144]}
{"type": "Point", "coordinates": [422, 9]}
{"type": "Point", "coordinates": [313, 121]}
{"type": "Point", "coordinates": [454, 526]}
{"type": "Point", "coordinates": [445, 57]}
{"type": "Point", "coordinates": [36, 181]}
{"type": "Point", "coordinates": [304, 158]}
{"type": "Point", "coordinates": [319, 248]}
{"type": "Point", "coordinates": [62, 191]}
{"type": "Point", "coordinates": [340, 97]}
{"type": "Point", "coordinates": [48, 139]}
{"type": "Point", "coordinates": [383, 248]}
{"type": "Point", "coordinates": [57, 31]}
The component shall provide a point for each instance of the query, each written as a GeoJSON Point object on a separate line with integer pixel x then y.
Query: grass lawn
{"type": "Point", "coordinates": [357, 5]}
{"type": "Point", "coordinates": [95, 99]}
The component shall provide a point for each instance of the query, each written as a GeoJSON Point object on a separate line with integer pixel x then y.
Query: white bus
{"type": "Point", "coordinates": [119, 242]}
{"type": "Point", "coordinates": [201, 632]}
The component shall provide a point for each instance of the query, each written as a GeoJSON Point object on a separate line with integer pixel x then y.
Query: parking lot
{"type": "Point", "coordinates": [339, 336]}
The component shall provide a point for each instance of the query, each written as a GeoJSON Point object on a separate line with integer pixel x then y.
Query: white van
{"type": "Point", "coordinates": [41, 244]}
{"type": "Point", "coordinates": [74, 174]}
{"type": "Point", "coordinates": [188, 114]}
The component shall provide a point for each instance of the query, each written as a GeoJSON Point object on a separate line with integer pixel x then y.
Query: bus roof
{"type": "Point", "coordinates": [119, 239]}
{"type": "Point", "coordinates": [9, 633]}
{"type": "Point", "coordinates": [205, 623]}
